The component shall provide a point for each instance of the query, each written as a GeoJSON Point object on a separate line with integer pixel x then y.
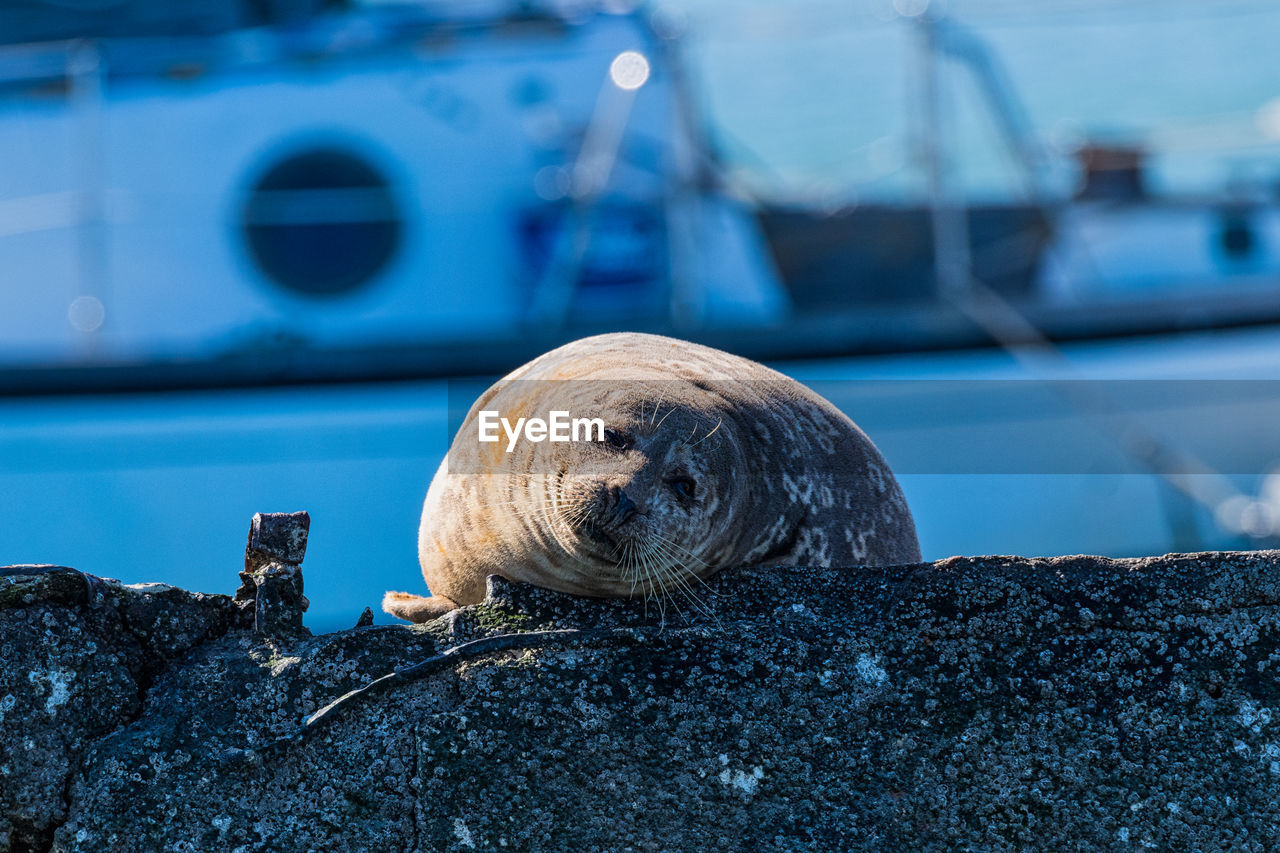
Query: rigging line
{"type": "Point", "coordinates": [1022, 339]}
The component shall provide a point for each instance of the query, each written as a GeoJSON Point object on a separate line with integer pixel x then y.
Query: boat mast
{"type": "Point", "coordinates": [686, 305]}
{"type": "Point", "coordinates": [86, 70]}
{"type": "Point", "coordinates": [589, 179]}
{"type": "Point", "coordinates": [948, 215]}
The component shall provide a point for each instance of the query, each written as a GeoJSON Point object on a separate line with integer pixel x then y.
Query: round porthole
{"type": "Point", "coordinates": [322, 222]}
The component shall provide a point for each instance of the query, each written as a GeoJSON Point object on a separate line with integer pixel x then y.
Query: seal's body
{"type": "Point", "coordinates": [701, 460]}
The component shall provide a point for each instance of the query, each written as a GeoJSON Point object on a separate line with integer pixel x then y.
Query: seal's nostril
{"type": "Point", "coordinates": [624, 507]}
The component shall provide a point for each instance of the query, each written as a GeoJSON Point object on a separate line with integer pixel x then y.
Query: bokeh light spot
{"type": "Point", "coordinates": [86, 313]}
{"type": "Point", "coordinates": [911, 8]}
{"type": "Point", "coordinates": [629, 70]}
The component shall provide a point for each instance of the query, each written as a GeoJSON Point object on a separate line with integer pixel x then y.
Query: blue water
{"type": "Point", "coordinates": [162, 487]}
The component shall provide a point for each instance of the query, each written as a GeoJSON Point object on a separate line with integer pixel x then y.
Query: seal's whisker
{"type": "Point", "coordinates": [688, 556]}
{"type": "Point", "coordinates": [680, 579]}
{"type": "Point", "coordinates": [647, 586]}
{"type": "Point", "coordinates": [672, 583]}
{"type": "Point", "coordinates": [573, 509]}
{"type": "Point", "coordinates": [696, 604]}
{"type": "Point", "coordinates": [719, 424]}
{"type": "Point", "coordinates": [678, 576]}
{"type": "Point", "coordinates": [575, 513]}
{"type": "Point", "coordinates": [631, 565]}
{"type": "Point", "coordinates": [651, 578]}
{"type": "Point", "coordinates": [662, 574]}
{"type": "Point", "coordinates": [523, 503]}
{"type": "Point", "coordinates": [522, 506]}
{"type": "Point", "coordinates": [634, 569]}
{"type": "Point", "coordinates": [657, 405]}
{"type": "Point", "coordinates": [664, 417]}
{"type": "Point", "coordinates": [678, 586]}
{"type": "Point", "coordinates": [630, 569]}
{"type": "Point", "coordinates": [625, 565]}
{"type": "Point", "coordinates": [673, 561]}
{"type": "Point", "coordinates": [680, 549]}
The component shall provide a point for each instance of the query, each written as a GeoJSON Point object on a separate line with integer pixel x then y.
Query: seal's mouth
{"type": "Point", "coordinates": [597, 535]}
{"type": "Point", "coordinates": [611, 542]}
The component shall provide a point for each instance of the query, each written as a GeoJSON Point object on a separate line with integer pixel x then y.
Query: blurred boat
{"type": "Point", "coordinates": [244, 194]}
{"type": "Point", "coordinates": [1114, 258]}
{"type": "Point", "coordinates": [1112, 261]}
{"type": "Point", "coordinates": [218, 193]}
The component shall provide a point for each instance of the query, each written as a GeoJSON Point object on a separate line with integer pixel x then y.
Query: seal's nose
{"type": "Point", "coordinates": [623, 507]}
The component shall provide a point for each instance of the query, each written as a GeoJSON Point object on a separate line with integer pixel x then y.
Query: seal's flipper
{"type": "Point", "coordinates": [417, 608]}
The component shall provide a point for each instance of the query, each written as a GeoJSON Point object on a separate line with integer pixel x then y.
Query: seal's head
{"type": "Point", "coordinates": [648, 506]}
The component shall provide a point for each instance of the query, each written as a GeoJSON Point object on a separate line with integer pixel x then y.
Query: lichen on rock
{"type": "Point", "coordinates": [984, 703]}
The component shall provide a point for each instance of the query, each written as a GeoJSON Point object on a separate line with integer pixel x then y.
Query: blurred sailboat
{"type": "Point", "coordinates": [240, 194]}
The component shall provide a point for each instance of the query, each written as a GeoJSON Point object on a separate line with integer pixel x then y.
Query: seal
{"type": "Point", "coordinates": [695, 460]}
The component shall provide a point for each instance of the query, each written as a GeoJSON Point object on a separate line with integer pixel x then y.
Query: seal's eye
{"type": "Point", "coordinates": [683, 486]}
{"type": "Point", "coordinates": [617, 440]}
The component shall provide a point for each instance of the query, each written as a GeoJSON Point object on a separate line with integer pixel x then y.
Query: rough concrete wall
{"type": "Point", "coordinates": [994, 703]}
